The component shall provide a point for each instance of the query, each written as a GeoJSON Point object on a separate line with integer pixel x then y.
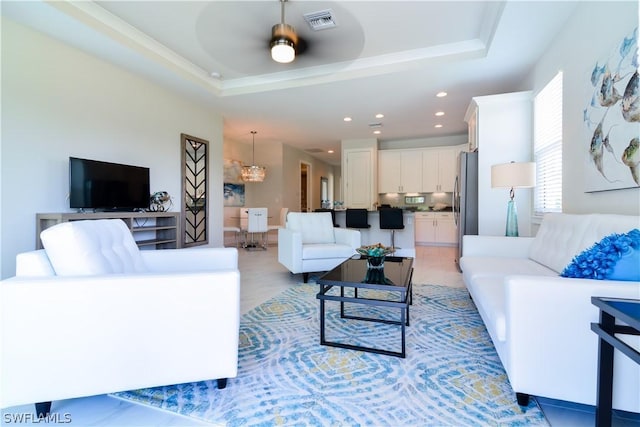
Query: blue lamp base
{"type": "Point", "coordinates": [512, 220]}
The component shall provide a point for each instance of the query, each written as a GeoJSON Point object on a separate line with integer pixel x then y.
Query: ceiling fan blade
{"type": "Point", "coordinates": [302, 46]}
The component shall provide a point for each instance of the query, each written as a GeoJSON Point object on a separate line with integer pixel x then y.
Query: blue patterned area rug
{"type": "Point", "coordinates": [451, 376]}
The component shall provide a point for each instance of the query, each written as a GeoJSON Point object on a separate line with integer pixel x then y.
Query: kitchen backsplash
{"type": "Point", "coordinates": [431, 201]}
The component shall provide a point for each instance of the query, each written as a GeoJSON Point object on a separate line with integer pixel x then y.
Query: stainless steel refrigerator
{"type": "Point", "coordinates": [465, 198]}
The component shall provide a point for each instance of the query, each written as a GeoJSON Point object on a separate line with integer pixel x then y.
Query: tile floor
{"type": "Point", "coordinates": [262, 278]}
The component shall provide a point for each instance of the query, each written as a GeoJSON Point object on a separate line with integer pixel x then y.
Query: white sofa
{"type": "Point", "coordinates": [539, 322]}
{"type": "Point", "coordinates": [147, 318]}
{"type": "Point", "coordinates": [311, 243]}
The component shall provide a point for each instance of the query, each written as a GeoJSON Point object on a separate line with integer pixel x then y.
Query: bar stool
{"type": "Point", "coordinates": [391, 219]}
{"type": "Point", "coordinates": [357, 218]}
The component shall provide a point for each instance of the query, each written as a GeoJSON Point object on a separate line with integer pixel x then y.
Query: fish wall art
{"type": "Point", "coordinates": [612, 120]}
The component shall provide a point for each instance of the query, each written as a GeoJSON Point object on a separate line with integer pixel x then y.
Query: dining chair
{"type": "Point", "coordinates": [235, 230]}
{"type": "Point", "coordinates": [257, 224]}
{"type": "Point", "coordinates": [282, 224]}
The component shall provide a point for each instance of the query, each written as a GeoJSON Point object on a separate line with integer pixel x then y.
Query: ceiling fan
{"type": "Point", "coordinates": [284, 40]}
{"type": "Point", "coordinates": [312, 33]}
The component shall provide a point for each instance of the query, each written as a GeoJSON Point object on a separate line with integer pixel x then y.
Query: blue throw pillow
{"type": "Point", "coordinates": [615, 257]}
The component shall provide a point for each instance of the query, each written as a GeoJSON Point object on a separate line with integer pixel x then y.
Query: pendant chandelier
{"type": "Point", "coordinates": [253, 173]}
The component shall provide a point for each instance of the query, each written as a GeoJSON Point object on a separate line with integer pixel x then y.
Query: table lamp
{"type": "Point", "coordinates": [513, 175]}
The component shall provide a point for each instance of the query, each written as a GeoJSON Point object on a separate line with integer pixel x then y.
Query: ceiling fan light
{"type": "Point", "coordinates": [283, 43]}
{"type": "Point", "coordinates": [283, 51]}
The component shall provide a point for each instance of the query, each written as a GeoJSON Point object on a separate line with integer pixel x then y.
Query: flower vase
{"type": "Point", "coordinates": [375, 270]}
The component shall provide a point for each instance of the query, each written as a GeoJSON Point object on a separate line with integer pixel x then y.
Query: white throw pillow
{"type": "Point", "coordinates": [92, 247]}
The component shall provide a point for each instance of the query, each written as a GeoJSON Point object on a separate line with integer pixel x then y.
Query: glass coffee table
{"type": "Point", "coordinates": [353, 275]}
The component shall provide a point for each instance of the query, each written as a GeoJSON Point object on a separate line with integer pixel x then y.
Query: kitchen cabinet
{"type": "Point", "coordinates": [359, 179]}
{"type": "Point", "coordinates": [435, 228]}
{"type": "Point", "coordinates": [439, 169]}
{"type": "Point", "coordinates": [399, 171]}
{"type": "Point", "coordinates": [472, 127]}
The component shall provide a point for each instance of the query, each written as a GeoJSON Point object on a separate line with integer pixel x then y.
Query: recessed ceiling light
{"type": "Point", "coordinates": [379, 116]}
{"type": "Point", "coordinates": [440, 113]}
{"type": "Point", "coordinates": [347, 119]}
{"type": "Point", "coordinates": [377, 132]}
{"type": "Point", "coordinates": [438, 126]}
{"type": "Point", "coordinates": [330, 151]}
{"type": "Point", "coordinates": [441, 94]}
{"type": "Point", "coordinates": [216, 75]}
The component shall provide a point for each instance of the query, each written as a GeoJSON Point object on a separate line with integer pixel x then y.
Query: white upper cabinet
{"type": "Point", "coordinates": [359, 184]}
{"type": "Point", "coordinates": [447, 159]}
{"type": "Point", "coordinates": [439, 169]}
{"type": "Point", "coordinates": [389, 165]}
{"type": "Point", "coordinates": [472, 125]}
{"type": "Point", "coordinates": [399, 171]}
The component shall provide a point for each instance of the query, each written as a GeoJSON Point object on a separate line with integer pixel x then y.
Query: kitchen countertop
{"type": "Point", "coordinates": [409, 210]}
{"type": "Point", "coordinates": [404, 211]}
{"type": "Point", "coordinates": [436, 211]}
{"type": "Point", "coordinates": [404, 239]}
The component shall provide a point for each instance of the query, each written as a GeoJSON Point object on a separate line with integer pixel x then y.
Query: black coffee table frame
{"type": "Point", "coordinates": [402, 286]}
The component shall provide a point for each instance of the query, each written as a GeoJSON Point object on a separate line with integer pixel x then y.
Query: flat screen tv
{"type": "Point", "coordinates": [107, 186]}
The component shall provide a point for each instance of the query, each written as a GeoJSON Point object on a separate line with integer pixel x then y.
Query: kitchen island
{"type": "Point", "coordinates": [405, 239]}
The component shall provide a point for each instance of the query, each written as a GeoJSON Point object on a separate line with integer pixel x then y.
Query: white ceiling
{"type": "Point", "coordinates": [388, 57]}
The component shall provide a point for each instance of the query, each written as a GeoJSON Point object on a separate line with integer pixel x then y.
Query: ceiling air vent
{"type": "Point", "coordinates": [314, 150]}
{"type": "Point", "coordinates": [320, 20]}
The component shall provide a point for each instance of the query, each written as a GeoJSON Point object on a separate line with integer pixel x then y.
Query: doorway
{"type": "Point", "coordinates": [305, 187]}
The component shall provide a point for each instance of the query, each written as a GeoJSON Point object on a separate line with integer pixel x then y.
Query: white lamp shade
{"type": "Point", "coordinates": [514, 175]}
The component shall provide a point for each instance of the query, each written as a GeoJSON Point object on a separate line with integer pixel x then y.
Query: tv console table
{"type": "Point", "coordinates": [150, 230]}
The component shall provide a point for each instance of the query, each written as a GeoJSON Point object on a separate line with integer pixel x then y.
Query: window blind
{"type": "Point", "coordinates": [547, 147]}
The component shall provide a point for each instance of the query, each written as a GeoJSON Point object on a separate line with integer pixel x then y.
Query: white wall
{"type": "Point", "coordinates": [292, 157]}
{"type": "Point", "coordinates": [504, 135]}
{"type": "Point", "coordinates": [593, 32]}
{"type": "Point", "coordinates": [268, 193]}
{"type": "Point", "coordinates": [58, 102]}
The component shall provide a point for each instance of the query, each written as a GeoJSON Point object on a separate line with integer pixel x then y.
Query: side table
{"type": "Point", "coordinates": [628, 312]}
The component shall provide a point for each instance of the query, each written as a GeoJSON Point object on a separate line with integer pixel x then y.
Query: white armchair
{"type": "Point", "coordinates": [311, 243]}
{"type": "Point", "coordinates": [91, 314]}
